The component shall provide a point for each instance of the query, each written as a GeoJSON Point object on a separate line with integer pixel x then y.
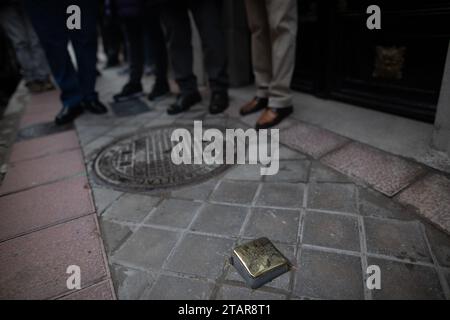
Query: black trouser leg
{"type": "Point", "coordinates": [158, 47]}
{"type": "Point", "coordinates": [134, 33]}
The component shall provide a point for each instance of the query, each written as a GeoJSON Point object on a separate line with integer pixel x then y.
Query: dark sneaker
{"type": "Point", "coordinates": [219, 102]}
{"type": "Point", "coordinates": [129, 92]}
{"type": "Point", "coordinates": [184, 102]}
{"type": "Point", "coordinates": [158, 91]}
{"type": "Point", "coordinates": [95, 106]}
{"type": "Point", "coordinates": [68, 114]}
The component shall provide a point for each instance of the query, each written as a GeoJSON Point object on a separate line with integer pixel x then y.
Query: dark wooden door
{"type": "Point", "coordinates": [397, 69]}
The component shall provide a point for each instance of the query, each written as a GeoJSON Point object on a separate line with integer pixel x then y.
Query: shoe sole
{"type": "Point", "coordinates": [130, 97]}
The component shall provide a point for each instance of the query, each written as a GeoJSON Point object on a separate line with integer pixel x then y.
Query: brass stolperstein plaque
{"type": "Point", "coordinates": [259, 262]}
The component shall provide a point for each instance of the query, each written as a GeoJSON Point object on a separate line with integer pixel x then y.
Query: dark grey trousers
{"type": "Point", "coordinates": [207, 18]}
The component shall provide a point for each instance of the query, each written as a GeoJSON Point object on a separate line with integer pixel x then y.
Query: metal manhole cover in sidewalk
{"type": "Point", "coordinates": [142, 162]}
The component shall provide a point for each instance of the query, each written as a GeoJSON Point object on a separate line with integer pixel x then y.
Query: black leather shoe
{"type": "Point", "coordinates": [67, 115]}
{"type": "Point", "coordinates": [272, 116]}
{"type": "Point", "coordinates": [184, 102]}
{"type": "Point", "coordinates": [219, 102]}
{"type": "Point", "coordinates": [160, 89]}
{"type": "Point", "coordinates": [255, 105]}
{"type": "Point", "coordinates": [95, 106]}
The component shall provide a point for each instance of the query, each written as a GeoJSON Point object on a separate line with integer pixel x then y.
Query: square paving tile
{"type": "Point", "coordinates": [113, 234]}
{"type": "Point", "coordinates": [291, 171]}
{"type": "Point", "coordinates": [235, 192]}
{"type": "Point", "coordinates": [282, 282]}
{"type": "Point", "coordinates": [34, 266]}
{"type": "Point", "coordinates": [321, 173]}
{"type": "Point", "coordinates": [30, 173]}
{"type": "Point", "coordinates": [285, 195]}
{"type": "Point", "coordinates": [311, 140]}
{"type": "Point", "coordinates": [431, 198]}
{"type": "Point", "coordinates": [227, 292]}
{"type": "Point", "coordinates": [104, 197]}
{"type": "Point", "coordinates": [175, 288]}
{"type": "Point", "coordinates": [220, 219]}
{"type": "Point", "coordinates": [196, 192]}
{"type": "Point", "coordinates": [249, 172]}
{"type": "Point", "coordinates": [326, 275]}
{"type": "Point", "coordinates": [99, 291]}
{"type": "Point", "coordinates": [333, 196]}
{"type": "Point", "coordinates": [130, 283]}
{"type": "Point", "coordinates": [45, 205]}
{"type": "Point", "coordinates": [201, 255]}
{"type": "Point", "coordinates": [440, 245]}
{"type": "Point", "coordinates": [131, 207]}
{"type": "Point", "coordinates": [403, 240]}
{"type": "Point", "coordinates": [402, 281]}
{"type": "Point", "coordinates": [174, 213]}
{"type": "Point", "coordinates": [277, 225]}
{"type": "Point", "coordinates": [385, 172]}
{"type": "Point", "coordinates": [39, 147]}
{"type": "Point", "coordinates": [290, 154]}
{"type": "Point", "coordinates": [331, 230]}
{"type": "Point", "coordinates": [146, 248]}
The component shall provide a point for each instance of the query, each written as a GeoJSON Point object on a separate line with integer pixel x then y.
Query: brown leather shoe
{"type": "Point", "coordinates": [272, 116]}
{"type": "Point", "coordinates": [255, 105]}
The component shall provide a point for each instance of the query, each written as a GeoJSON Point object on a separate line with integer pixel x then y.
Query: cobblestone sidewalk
{"type": "Point", "coordinates": [175, 244]}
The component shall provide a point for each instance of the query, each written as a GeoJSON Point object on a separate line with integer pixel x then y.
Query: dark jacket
{"type": "Point", "coordinates": [134, 8]}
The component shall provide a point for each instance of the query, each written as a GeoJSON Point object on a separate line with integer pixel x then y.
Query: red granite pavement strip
{"type": "Point", "coordinates": [34, 266]}
{"type": "Point", "coordinates": [385, 172]}
{"type": "Point", "coordinates": [430, 197]}
{"type": "Point", "coordinates": [31, 173]}
{"type": "Point", "coordinates": [29, 149]}
{"type": "Point", "coordinates": [100, 291]}
{"type": "Point", "coordinates": [311, 140]}
{"type": "Point", "coordinates": [46, 205]}
{"type": "Point", "coordinates": [42, 108]}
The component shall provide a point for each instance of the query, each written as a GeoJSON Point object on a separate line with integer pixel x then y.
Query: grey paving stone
{"type": "Point", "coordinates": [440, 245]}
{"type": "Point", "coordinates": [282, 282]}
{"type": "Point", "coordinates": [321, 173]}
{"type": "Point", "coordinates": [113, 234]}
{"type": "Point", "coordinates": [174, 213]}
{"type": "Point", "coordinates": [400, 239]}
{"type": "Point", "coordinates": [131, 207]}
{"type": "Point", "coordinates": [249, 172]}
{"type": "Point", "coordinates": [286, 195]}
{"type": "Point", "coordinates": [431, 198]}
{"type": "Point", "coordinates": [201, 255]}
{"type": "Point", "coordinates": [104, 197]}
{"type": "Point", "coordinates": [227, 292]}
{"type": "Point", "coordinates": [385, 172]}
{"type": "Point", "coordinates": [406, 281]}
{"type": "Point", "coordinates": [289, 154]}
{"type": "Point", "coordinates": [175, 288]}
{"type": "Point", "coordinates": [377, 205]}
{"type": "Point", "coordinates": [326, 275]}
{"type": "Point", "coordinates": [220, 219]}
{"type": "Point", "coordinates": [332, 196]}
{"type": "Point", "coordinates": [275, 224]}
{"type": "Point", "coordinates": [91, 149]}
{"type": "Point", "coordinates": [291, 171]}
{"type": "Point", "coordinates": [147, 248]}
{"type": "Point", "coordinates": [196, 192]}
{"type": "Point", "coordinates": [331, 230]}
{"type": "Point", "coordinates": [87, 134]}
{"type": "Point", "coordinates": [311, 140]}
{"type": "Point", "coordinates": [235, 192]}
{"type": "Point", "coordinates": [129, 283]}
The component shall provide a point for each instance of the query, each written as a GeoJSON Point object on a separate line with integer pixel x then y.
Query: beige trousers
{"type": "Point", "coordinates": [273, 25]}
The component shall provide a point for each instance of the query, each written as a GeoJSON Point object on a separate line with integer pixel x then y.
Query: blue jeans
{"type": "Point", "coordinates": [49, 20]}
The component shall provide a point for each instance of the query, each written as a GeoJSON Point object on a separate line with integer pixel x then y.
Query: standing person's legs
{"type": "Point", "coordinates": [133, 28]}
{"type": "Point", "coordinates": [258, 22]}
{"type": "Point", "coordinates": [207, 17]}
{"type": "Point", "coordinates": [179, 37]}
{"type": "Point", "coordinates": [158, 46]}
{"type": "Point", "coordinates": [12, 21]}
{"type": "Point", "coordinates": [283, 37]}
{"type": "Point", "coordinates": [48, 18]}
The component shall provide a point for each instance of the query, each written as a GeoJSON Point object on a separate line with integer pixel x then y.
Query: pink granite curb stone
{"type": "Point", "coordinates": [430, 197]}
{"type": "Point", "coordinates": [384, 172]}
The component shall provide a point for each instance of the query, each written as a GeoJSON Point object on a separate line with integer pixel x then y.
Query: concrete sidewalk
{"type": "Point", "coordinates": [48, 219]}
{"type": "Point", "coordinates": [336, 207]}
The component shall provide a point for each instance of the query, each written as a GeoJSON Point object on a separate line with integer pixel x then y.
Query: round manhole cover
{"type": "Point", "coordinates": [142, 162]}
